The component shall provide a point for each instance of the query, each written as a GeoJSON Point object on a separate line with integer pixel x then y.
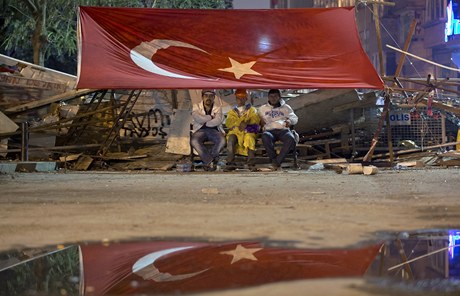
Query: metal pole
{"type": "Point", "coordinates": [353, 135]}
{"type": "Point", "coordinates": [25, 141]}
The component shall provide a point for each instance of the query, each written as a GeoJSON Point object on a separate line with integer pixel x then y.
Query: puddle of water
{"type": "Point", "coordinates": [422, 261]}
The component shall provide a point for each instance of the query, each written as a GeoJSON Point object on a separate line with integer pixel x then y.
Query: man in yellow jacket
{"type": "Point", "coordinates": [243, 125]}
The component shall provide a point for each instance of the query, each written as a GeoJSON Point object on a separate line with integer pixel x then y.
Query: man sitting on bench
{"type": "Point", "coordinates": [243, 125]}
{"type": "Point", "coordinates": [207, 126]}
{"type": "Point", "coordinates": [277, 117]}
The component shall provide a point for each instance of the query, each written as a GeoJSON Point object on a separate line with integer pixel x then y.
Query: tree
{"type": "Point", "coordinates": [39, 29]}
{"type": "Point", "coordinates": [44, 31]}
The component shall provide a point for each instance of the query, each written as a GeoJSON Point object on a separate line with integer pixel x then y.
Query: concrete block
{"type": "Point", "coordinates": [7, 167]}
{"type": "Point", "coordinates": [32, 166]}
{"type": "Point", "coordinates": [46, 166]}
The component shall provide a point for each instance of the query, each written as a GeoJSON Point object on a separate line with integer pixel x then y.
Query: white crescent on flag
{"type": "Point", "coordinates": [143, 53]}
{"type": "Point", "coordinates": [145, 267]}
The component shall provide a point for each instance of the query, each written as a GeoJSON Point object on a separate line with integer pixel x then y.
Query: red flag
{"type": "Point", "coordinates": [141, 48]}
{"type": "Point", "coordinates": [178, 267]}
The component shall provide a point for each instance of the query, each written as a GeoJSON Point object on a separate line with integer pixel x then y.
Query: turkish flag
{"type": "Point", "coordinates": [142, 48]}
{"type": "Point", "coordinates": [179, 267]}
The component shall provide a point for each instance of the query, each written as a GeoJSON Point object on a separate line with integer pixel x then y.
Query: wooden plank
{"type": "Point", "coordinates": [83, 163]}
{"type": "Point", "coordinates": [354, 168]}
{"type": "Point", "coordinates": [381, 2]}
{"type": "Point", "coordinates": [59, 124]}
{"type": "Point", "coordinates": [370, 170]}
{"type": "Point", "coordinates": [369, 154]}
{"type": "Point", "coordinates": [36, 104]}
{"type": "Point", "coordinates": [453, 154]}
{"type": "Point", "coordinates": [379, 37]}
{"type": "Point", "coordinates": [329, 161]}
{"type": "Point", "coordinates": [416, 163]}
{"type": "Point", "coordinates": [9, 80]}
{"type": "Point", "coordinates": [6, 124]}
{"type": "Point", "coordinates": [424, 83]}
{"type": "Point", "coordinates": [55, 149]}
{"type": "Point", "coordinates": [449, 162]}
{"type": "Point", "coordinates": [71, 157]}
{"type": "Point", "coordinates": [120, 156]}
{"type": "Point", "coordinates": [413, 150]}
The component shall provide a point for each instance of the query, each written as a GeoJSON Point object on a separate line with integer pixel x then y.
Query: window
{"type": "Point", "coordinates": [436, 9]}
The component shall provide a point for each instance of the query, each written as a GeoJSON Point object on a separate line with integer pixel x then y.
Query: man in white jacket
{"type": "Point", "coordinates": [277, 117]}
{"type": "Point", "coordinates": [207, 126]}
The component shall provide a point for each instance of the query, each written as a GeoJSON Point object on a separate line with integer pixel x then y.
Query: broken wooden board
{"type": "Point", "coordinates": [57, 98]}
{"type": "Point", "coordinates": [450, 158]}
{"type": "Point", "coordinates": [143, 165]}
{"type": "Point", "coordinates": [328, 161]}
{"type": "Point", "coordinates": [354, 168]}
{"type": "Point", "coordinates": [370, 170]}
{"type": "Point", "coordinates": [416, 163]}
{"type": "Point", "coordinates": [6, 124]}
{"type": "Point", "coordinates": [453, 154]}
{"type": "Point", "coordinates": [70, 157]}
{"type": "Point", "coordinates": [121, 156]}
{"type": "Point", "coordinates": [83, 163]}
{"type": "Point", "coordinates": [449, 162]}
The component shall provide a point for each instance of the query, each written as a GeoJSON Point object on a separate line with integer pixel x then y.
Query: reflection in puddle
{"type": "Point", "coordinates": [421, 261]}
{"type": "Point", "coordinates": [47, 271]}
{"type": "Point", "coordinates": [171, 267]}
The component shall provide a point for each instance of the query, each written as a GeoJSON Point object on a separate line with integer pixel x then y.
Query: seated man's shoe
{"type": "Point", "coordinates": [209, 167]}
{"type": "Point", "coordinates": [252, 168]}
{"type": "Point", "coordinates": [231, 166]}
{"type": "Point", "coordinates": [274, 166]}
{"type": "Point", "coordinates": [218, 165]}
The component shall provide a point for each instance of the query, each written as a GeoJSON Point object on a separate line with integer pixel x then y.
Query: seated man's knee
{"type": "Point", "coordinates": [220, 141]}
{"type": "Point", "coordinates": [266, 136]}
{"type": "Point", "coordinates": [232, 140]}
{"type": "Point", "coordinates": [250, 140]}
{"type": "Point", "coordinates": [192, 140]}
{"type": "Point", "coordinates": [196, 141]}
{"type": "Point", "coordinates": [288, 138]}
{"type": "Point", "coordinates": [292, 142]}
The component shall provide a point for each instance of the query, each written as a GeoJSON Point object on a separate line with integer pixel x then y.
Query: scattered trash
{"type": "Point", "coordinates": [399, 167]}
{"type": "Point", "coordinates": [317, 166]}
{"type": "Point", "coordinates": [210, 190]}
{"type": "Point", "coordinates": [184, 167]}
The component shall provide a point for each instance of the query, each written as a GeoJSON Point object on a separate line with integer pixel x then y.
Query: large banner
{"type": "Point", "coordinates": [143, 48]}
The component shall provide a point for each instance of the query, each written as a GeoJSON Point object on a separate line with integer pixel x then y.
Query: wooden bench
{"type": "Point", "coordinates": [259, 148]}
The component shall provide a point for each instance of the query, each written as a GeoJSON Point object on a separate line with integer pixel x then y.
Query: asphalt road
{"type": "Point", "coordinates": [302, 209]}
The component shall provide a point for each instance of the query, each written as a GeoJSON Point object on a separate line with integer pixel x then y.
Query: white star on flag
{"type": "Point", "coordinates": [241, 252]}
{"type": "Point", "coordinates": [239, 69]}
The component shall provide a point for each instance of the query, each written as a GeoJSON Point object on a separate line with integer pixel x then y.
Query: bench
{"type": "Point", "coordinates": [259, 148]}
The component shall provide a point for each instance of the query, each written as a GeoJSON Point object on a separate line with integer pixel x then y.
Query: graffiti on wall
{"type": "Point", "coordinates": [151, 124]}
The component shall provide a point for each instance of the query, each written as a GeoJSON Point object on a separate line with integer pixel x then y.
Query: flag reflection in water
{"type": "Point", "coordinates": [181, 267]}
{"type": "Point", "coordinates": [423, 261]}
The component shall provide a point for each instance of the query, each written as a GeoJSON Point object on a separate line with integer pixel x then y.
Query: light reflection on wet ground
{"type": "Point", "coordinates": [409, 263]}
{"type": "Point", "coordinates": [420, 263]}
